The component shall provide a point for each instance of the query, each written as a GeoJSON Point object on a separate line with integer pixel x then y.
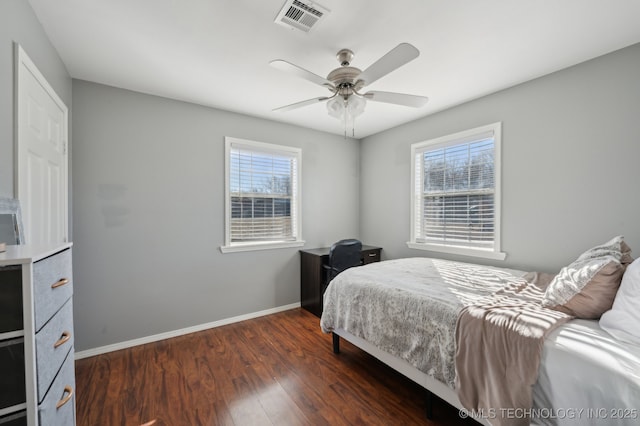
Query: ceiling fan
{"type": "Point", "coordinates": [345, 83]}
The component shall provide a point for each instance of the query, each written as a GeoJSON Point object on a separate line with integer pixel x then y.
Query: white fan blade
{"type": "Point", "coordinates": [394, 59]}
{"type": "Point", "coordinates": [397, 98]}
{"type": "Point", "coordinates": [301, 104]}
{"type": "Point", "coordinates": [300, 72]}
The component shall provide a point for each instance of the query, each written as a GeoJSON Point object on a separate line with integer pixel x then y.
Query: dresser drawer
{"type": "Point", "coordinates": [53, 343]}
{"type": "Point", "coordinates": [370, 256]}
{"type": "Point", "coordinates": [58, 407]}
{"type": "Point", "coordinates": [52, 285]}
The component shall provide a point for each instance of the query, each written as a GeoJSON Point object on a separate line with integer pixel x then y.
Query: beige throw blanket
{"type": "Point", "coordinates": [499, 342]}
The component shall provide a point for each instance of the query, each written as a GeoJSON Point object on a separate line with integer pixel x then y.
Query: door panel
{"type": "Point", "coordinates": [42, 163]}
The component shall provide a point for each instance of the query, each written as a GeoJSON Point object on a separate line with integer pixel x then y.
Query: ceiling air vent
{"type": "Point", "coordinates": [301, 15]}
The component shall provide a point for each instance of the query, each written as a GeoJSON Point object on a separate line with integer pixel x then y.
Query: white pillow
{"type": "Point", "coordinates": [623, 320]}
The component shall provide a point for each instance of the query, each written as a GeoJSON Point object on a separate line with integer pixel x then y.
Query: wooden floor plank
{"type": "Point", "coordinates": [274, 370]}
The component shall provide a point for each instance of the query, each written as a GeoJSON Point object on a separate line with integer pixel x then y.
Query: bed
{"type": "Point", "coordinates": [405, 312]}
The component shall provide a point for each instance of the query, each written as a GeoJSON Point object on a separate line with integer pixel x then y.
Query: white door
{"type": "Point", "coordinates": [41, 154]}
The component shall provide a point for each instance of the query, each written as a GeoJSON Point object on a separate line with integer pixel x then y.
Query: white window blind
{"type": "Point", "coordinates": [455, 193]}
{"type": "Point", "coordinates": [263, 191]}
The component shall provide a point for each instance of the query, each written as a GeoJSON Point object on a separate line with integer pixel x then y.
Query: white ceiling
{"type": "Point", "coordinates": [217, 52]}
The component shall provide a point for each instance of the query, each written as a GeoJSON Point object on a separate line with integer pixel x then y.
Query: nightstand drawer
{"type": "Point", "coordinates": [58, 407]}
{"type": "Point", "coordinates": [52, 286]}
{"type": "Point", "coordinates": [370, 256]}
{"type": "Point", "coordinates": [53, 343]}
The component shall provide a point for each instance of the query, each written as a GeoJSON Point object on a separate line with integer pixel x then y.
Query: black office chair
{"type": "Point", "coordinates": [342, 255]}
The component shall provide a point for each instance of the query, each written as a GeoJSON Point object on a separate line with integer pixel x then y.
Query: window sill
{"type": "Point", "coordinates": [260, 246]}
{"type": "Point", "coordinates": [464, 251]}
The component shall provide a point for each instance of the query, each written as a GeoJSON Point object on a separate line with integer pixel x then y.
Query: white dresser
{"type": "Point", "coordinates": [37, 378]}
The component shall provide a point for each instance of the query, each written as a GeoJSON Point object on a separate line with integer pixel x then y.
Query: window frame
{"type": "Point", "coordinates": [462, 137]}
{"type": "Point", "coordinates": [230, 247]}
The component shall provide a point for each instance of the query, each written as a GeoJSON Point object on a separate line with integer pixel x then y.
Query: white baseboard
{"type": "Point", "coordinates": [150, 339]}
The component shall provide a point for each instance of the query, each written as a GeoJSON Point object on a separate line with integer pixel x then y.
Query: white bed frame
{"type": "Point", "coordinates": [432, 385]}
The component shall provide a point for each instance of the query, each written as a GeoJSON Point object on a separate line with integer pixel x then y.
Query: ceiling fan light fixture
{"type": "Point", "coordinates": [346, 110]}
{"type": "Point", "coordinates": [355, 106]}
{"type": "Point", "coordinates": [335, 107]}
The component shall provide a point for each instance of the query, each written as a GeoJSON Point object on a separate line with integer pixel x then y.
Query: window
{"type": "Point", "coordinates": [456, 193]}
{"type": "Point", "coordinates": [262, 203]}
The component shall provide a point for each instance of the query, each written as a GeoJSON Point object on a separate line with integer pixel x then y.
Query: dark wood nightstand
{"type": "Point", "coordinates": [312, 274]}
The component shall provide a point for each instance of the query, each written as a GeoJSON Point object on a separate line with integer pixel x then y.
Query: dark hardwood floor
{"type": "Point", "coordinates": [274, 370]}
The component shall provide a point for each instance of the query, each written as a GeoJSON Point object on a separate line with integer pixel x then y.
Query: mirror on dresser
{"type": "Point", "coordinates": [11, 231]}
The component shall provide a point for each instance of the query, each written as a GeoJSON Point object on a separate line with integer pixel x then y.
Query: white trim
{"type": "Point", "coordinates": [465, 136]}
{"type": "Point", "coordinates": [13, 409]}
{"type": "Point", "coordinates": [494, 130]}
{"type": "Point", "coordinates": [21, 57]}
{"type": "Point", "coordinates": [238, 247]}
{"type": "Point", "coordinates": [29, 327]}
{"type": "Point", "coordinates": [11, 334]}
{"type": "Point", "coordinates": [181, 332]}
{"type": "Point", "coordinates": [464, 251]}
{"type": "Point", "coordinates": [229, 247]}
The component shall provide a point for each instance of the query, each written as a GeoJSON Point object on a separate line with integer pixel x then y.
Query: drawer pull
{"type": "Point", "coordinates": [373, 254]}
{"type": "Point", "coordinates": [69, 391]}
{"type": "Point", "coordinates": [64, 338]}
{"type": "Point", "coordinates": [60, 283]}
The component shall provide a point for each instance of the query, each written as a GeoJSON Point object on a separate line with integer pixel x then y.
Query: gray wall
{"type": "Point", "coordinates": [148, 186]}
{"type": "Point", "coordinates": [570, 163]}
{"type": "Point", "coordinates": [18, 23]}
{"type": "Point", "coordinates": [148, 179]}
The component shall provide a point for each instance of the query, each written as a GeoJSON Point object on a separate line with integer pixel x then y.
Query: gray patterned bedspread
{"type": "Point", "coordinates": [409, 307]}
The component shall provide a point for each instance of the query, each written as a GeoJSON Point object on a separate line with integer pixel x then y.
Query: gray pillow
{"type": "Point", "coordinates": [615, 247]}
{"type": "Point", "coordinates": [587, 287]}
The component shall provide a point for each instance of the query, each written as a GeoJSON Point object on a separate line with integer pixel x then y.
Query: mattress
{"type": "Point", "coordinates": [587, 377]}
